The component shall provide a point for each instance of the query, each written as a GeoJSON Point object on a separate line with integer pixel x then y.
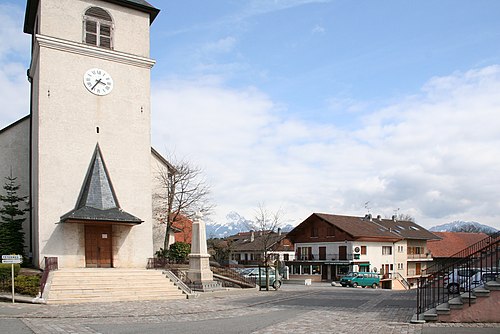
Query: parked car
{"type": "Point", "coordinates": [259, 274]}
{"type": "Point", "coordinates": [468, 278]}
{"type": "Point", "coordinates": [360, 279]}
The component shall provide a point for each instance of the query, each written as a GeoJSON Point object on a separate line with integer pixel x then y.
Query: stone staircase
{"type": "Point", "coordinates": [484, 305]}
{"type": "Point", "coordinates": [83, 285]}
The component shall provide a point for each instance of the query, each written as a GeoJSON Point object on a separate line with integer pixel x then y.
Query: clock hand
{"type": "Point", "coordinates": [98, 81]}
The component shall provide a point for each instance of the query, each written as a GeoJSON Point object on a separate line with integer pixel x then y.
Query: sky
{"type": "Point", "coordinates": [302, 106]}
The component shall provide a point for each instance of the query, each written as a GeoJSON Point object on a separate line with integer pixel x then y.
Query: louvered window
{"type": "Point", "coordinates": [97, 28]}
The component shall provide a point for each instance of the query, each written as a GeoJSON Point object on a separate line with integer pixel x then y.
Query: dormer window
{"type": "Point", "coordinates": [97, 28]}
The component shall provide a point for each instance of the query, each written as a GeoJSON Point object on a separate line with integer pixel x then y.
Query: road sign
{"type": "Point", "coordinates": [12, 259]}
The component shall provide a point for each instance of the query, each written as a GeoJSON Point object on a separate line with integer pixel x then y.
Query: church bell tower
{"type": "Point", "coordinates": [91, 131]}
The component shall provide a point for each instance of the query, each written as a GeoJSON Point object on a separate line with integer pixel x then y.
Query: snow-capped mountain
{"type": "Point", "coordinates": [234, 224]}
{"type": "Point", "coordinates": [463, 226]}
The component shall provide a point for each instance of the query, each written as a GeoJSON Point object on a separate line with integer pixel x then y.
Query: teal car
{"type": "Point", "coordinates": [361, 279]}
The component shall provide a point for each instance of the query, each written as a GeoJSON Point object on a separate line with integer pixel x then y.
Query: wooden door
{"type": "Point", "coordinates": [342, 252]}
{"type": "Point", "coordinates": [322, 253]}
{"type": "Point", "coordinates": [418, 268]}
{"type": "Point", "coordinates": [386, 271]}
{"type": "Point", "coordinates": [324, 272]}
{"type": "Point", "coordinates": [98, 246]}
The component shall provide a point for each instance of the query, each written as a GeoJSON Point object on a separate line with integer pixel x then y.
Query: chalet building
{"type": "Point", "coordinates": [247, 248]}
{"type": "Point", "coordinates": [329, 246]}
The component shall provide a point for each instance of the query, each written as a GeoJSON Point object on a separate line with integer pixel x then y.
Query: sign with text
{"type": "Point", "coordinates": [12, 259]}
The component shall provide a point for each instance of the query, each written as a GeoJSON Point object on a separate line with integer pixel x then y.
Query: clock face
{"type": "Point", "coordinates": [98, 81]}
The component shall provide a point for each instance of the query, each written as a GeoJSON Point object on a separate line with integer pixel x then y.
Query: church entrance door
{"type": "Point", "coordinates": [98, 246]}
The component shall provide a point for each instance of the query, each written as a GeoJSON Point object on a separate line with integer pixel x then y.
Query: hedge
{"type": "Point", "coordinates": [6, 270]}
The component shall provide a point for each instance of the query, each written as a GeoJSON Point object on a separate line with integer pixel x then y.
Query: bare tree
{"type": "Point", "coordinates": [266, 223]}
{"type": "Point", "coordinates": [182, 192]}
{"type": "Point", "coordinates": [405, 217]}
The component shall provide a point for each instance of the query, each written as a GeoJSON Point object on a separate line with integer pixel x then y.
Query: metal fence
{"type": "Point", "coordinates": [458, 274]}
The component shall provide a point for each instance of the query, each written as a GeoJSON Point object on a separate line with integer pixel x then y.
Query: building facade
{"type": "Point", "coordinates": [89, 133]}
{"type": "Point", "coordinates": [329, 246]}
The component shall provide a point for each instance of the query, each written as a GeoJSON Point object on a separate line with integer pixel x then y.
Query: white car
{"type": "Point", "coordinates": [274, 281]}
{"type": "Point", "coordinates": [465, 278]}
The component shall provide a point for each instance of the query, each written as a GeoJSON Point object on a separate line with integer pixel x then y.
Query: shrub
{"type": "Point", "coordinates": [5, 270]}
{"type": "Point", "coordinates": [162, 253]}
{"type": "Point", "coordinates": [27, 285]}
{"type": "Point", "coordinates": [179, 251]}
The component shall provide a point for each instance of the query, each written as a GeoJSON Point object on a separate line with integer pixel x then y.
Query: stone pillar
{"type": "Point", "coordinates": [199, 267]}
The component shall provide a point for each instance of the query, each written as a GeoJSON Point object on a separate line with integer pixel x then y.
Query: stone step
{"type": "Point", "coordinates": [431, 315]}
{"type": "Point", "coordinates": [110, 288]}
{"type": "Point", "coordinates": [103, 287]}
{"type": "Point", "coordinates": [92, 299]}
{"type": "Point", "coordinates": [456, 303]}
{"type": "Point", "coordinates": [493, 285]}
{"type": "Point", "coordinates": [443, 309]}
{"type": "Point", "coordinates": [466, 298]}
{"type": "Point", "coordinates": [481, 292]}
{"type": "Point", "coordinates": [90, 293]}
{"type": "Point", "coordinates": [106, 285]}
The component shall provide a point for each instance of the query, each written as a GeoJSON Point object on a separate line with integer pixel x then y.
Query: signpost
{"type": "Point", "coordinates": [12, 259]}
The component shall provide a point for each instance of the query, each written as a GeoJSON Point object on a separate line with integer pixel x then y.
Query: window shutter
{"type": "Point", "coordinates": [98, 27]}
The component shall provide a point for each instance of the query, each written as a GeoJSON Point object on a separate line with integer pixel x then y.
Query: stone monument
{"type": "Point", "coordinates": [199, 266]}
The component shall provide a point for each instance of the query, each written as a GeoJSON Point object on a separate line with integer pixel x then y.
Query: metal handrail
{"type": "Point", "coordinates": [51, 264]}
{"type": "Point", "coordinates": [235, 277]}
{"type": "Point", "coordinates": [403, 280]}
{"type": "Point", "coordinates": [177, 281]}
{"type": "Point", "coordinates": [449, 278]}
{"type": "Point", "coordinates": [463, 254]}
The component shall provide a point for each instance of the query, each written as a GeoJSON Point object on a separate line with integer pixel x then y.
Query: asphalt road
{"type": "Point", "coordinates": [301, 309]}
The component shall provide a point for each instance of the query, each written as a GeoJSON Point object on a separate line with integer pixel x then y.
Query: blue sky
{"type": "Point", "coordinates": [320, 106]}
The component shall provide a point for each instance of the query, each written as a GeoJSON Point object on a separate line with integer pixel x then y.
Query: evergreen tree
{"type": "Point", "coordinates": [11, 219]}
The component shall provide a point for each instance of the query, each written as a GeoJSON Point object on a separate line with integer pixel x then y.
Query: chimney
{"type": "Point", "coordinates": [369, 217]}
{"type": "Point", "coordinates": [252, 236]}
{"type": "Point", "coordinates": [379, 218]}
{"type": "Point", "coordinates": [279, 230]}
{"type": "Point", "coordinates": [393, 218]}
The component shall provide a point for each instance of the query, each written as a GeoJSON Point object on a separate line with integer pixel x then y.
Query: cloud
{"type": "Point", "coordinates": [258, 7]}
{"type": "Point", "coordinates": [433, 154]}
{"type": "Point", "coordinates": [14, 53]}
{"type": "Point", "coordinates": [222, 45]}
{"type": "Point", "coordinates": [318, 29]}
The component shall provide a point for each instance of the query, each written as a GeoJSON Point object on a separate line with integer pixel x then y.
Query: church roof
{"type": "Point", "coordinates": [141, 5]}
{"type": "Point", "coordinates": [98, 201]}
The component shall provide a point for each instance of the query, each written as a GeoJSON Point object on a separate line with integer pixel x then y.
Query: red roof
{"type": "Point", "coordinates": [183, 228]}
{"type": "Point", "coordinates": [453, 242]}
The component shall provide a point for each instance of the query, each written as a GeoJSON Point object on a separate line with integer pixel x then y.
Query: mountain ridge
{"type": "Point", "coordinates": [464, 226]}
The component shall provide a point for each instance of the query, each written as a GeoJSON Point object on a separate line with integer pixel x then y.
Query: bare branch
{"type": "Point", "coordinates": [181, 193]}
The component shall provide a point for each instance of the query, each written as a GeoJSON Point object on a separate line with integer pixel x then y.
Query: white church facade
{"type": "Point", "coordinates": [83, 155]}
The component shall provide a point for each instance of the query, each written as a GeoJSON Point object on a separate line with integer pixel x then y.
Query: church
{"type": "Point", "coordinates": [83, 155]}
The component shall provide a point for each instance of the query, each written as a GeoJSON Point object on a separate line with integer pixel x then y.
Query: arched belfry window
{"type": "Point", "coordinates": [97, 28]}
